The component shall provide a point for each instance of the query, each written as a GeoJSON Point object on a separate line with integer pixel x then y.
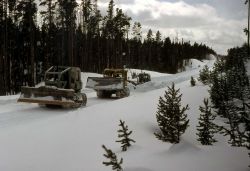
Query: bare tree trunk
{"type": "Point", "coordinates": [32, 54]}
{"type": "Point", "coordinates": [70, 45]}
{"type": "Point", "coordinates": [5, 49]}
{"type": "Point", "coordinates": [70, 41]}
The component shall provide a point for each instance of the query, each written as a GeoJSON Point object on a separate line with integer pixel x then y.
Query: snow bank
{"type": "Point", "coordinates": [192, 64]}
{"type": "Point", "coordinates": [153, 74]}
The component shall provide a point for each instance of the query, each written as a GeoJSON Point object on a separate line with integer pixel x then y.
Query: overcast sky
{"type": "Point", "coordinates": [217, 23]}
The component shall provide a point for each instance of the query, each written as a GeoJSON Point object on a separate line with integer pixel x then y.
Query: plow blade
{"type": "Point", "coordinates": [47, 102]}
{"type": "Point", "coordinates": [104, 83]}
{"type": "Point", "coordinates": [52, 96]}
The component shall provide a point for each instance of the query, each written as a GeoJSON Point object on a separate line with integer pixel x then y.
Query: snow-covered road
{"type": "Point", "coordinates": [13, 113]}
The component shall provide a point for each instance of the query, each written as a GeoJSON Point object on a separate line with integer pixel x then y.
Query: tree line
{"type": "Point", "coordinates": [76, 34]}
{"type": "Point", "coordinates": [230, 96]}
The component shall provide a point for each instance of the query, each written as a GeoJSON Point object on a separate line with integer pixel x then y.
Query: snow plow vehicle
{"type": "Point", "coordinates": [62, 88]}
{"type": "Point", "coordinates": [114, 81]}
{"type": "Point", "coordinates": [143, 78]}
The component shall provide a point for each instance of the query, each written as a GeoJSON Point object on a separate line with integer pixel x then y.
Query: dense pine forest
{"type": "Point", "coordinates": [35, 35]}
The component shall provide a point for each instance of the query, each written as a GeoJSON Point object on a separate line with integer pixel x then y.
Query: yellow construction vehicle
{"type": "Point", "coordinates": [114, 81]}
{"type": "Point", "coordinates": [62, 88]}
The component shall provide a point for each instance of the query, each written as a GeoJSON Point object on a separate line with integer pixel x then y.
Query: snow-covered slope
{"type": "Point", "coordinates": [41, 139]}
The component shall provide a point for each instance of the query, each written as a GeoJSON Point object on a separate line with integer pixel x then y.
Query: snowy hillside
{"type": "Point", "coordinates": [34, 138]}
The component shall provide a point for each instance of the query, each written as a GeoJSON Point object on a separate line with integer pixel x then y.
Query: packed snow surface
{"type": "Point", "coordinates": [34, 138]}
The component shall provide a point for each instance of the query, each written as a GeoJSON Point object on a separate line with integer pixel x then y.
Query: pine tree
{"type": "Point", "coordinates": [158, 37]}
{"type": "Point", "coordinates": [67, 14]}
{"type": "Point", "coordinates": [150, 35]}
{"type": "Point", "coordinates": [122, 25]}
{"type": "Point", "coordinates": [116, 165]}
{"type": "Point", "coordinates": [247, 3]}
{"type": "Point", "coordinates": [124, 135]}
{"type": "Point", "coordinates": [219, 91]}
{"type": "Point", "coordinates": [192, 81]}
{"type": "Point", "coordinates": [108, 22]}
{"type": "Point", "coordinates": [157, 60]}
{"type": "Point", "coordinates": [136, 31]}
{"type": "Point", "coordinates": [49, 27]}
{"type": "Point", "coordinates": [206, 128]}
{"type": "Point", "coordinates": [26, 12]}
{"type": "Point", "coordinates": [171, 117]}
{"type": "Point", "coordinates": [205, 75]}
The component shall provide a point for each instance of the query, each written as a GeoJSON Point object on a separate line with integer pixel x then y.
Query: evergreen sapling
{"type": "Point", "coordinates": [116, 165]}
{"type": "Point", "coordinates": [124, 135]}
{"type": "Point", "coordinates": [205, 75]}
{"type": "Point", "coordinates": [192, 81]}
{"type": "Point", "coordinates": [171, 117]}
{"type": "Point", "coordinates": [206, 128]}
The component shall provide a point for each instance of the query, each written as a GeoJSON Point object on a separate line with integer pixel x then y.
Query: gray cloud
{"type": "Point", "coordinates": [218, 23]}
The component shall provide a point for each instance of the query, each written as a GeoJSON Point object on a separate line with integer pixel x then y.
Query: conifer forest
{"type": "Point", "coordinates": [35, 35]}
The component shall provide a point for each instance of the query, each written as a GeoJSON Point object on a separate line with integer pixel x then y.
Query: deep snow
{"type": "Point", "coordinates": [34, 138]}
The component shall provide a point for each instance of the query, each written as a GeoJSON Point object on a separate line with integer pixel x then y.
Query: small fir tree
{"type": "Point", "coordinates": [235, 128]}
{"type": "Point", "coordinates": [171, 117]}
{"type": "Point", "coordinates": [192, 81]}
{"type": "Point", "coordinates": [205, 75]}
{"type": "Point", "coordinates": [124, 135]}
{"type": "Point", "coordinates": [116, 165]}
{"type": "Point", "coordinates": [219, 91]}
{"type": "Point", "coordinates": [206, 127]}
